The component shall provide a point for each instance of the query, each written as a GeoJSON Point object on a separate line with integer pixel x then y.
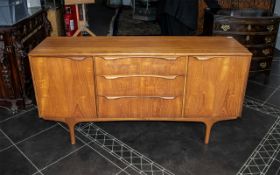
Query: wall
{"type": "Point", "coordinates": [277, 10]}
{"type": "Point", "coordinates": [126, 2]}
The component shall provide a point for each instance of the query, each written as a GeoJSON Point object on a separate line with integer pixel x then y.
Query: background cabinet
{"type": "Point", "coordinates": [256, 29]}
{"type": "Point", "coordinates": [16, 90]}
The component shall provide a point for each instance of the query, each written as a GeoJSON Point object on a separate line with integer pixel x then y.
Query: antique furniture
{"type": "Point", "coordinates": [15, 42]}
{"type": "Point", "coordinates": [198, 79]}
{"type": "Point", "coordinates": [254, 28]}
{"type": "Point", "coordinates": [234, 4]}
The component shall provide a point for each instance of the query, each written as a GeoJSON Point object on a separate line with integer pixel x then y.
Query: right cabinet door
{"type": "Point", "coordinates": [215, 86]}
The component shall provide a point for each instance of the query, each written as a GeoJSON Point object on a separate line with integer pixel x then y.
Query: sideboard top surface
{"type": "Point", "coordinates": [136, 45]}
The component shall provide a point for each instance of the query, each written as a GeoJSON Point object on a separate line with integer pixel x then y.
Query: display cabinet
{"type": "Point", "coordinates": [16, 40]}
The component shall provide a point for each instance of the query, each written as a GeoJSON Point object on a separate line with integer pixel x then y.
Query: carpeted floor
{"type": "Point", "coordinates": [127, 26]}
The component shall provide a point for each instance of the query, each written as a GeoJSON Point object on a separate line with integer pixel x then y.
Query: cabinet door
{"type": "Point", "coordinates": [216, 86]}
{"type": "Point", "coordinates": [64, 87]}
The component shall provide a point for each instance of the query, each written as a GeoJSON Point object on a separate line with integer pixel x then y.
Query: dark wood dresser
{"type": "Point", "coordinates": [16, 41]}
{"type": "Point", "coordinates": [254, 28]}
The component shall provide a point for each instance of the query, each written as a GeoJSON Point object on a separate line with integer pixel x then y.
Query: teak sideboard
{"type": "Point", "coordinates": [196, 79]}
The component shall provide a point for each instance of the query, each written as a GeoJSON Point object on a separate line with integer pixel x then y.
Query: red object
{"type": "Point", "coordinates": [70, 20]}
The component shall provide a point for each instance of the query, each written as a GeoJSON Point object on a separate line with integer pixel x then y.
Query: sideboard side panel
{"type": "Point", "coordinates": [64, 87]}
{"type": "Point", "coordinates": [215, 87]}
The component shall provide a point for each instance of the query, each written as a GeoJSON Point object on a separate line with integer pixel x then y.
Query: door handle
{"type": "Point", "coordinates": [112, 77]}
{"type": "Point", "coordinates": [204, 58]}
{"type": "Point", "coordinates": [121, 97]}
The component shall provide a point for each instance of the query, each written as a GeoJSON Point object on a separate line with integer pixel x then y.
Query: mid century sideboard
{"type": "Point", "coordinates": [197, 79]}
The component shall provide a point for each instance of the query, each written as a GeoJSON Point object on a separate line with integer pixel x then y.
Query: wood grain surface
{"type": "Point", "coordinates": [64, 88]}
{"type": "Point", "coordinates": [135, 46]}
{"type": "Point", "coordinates": [215, 87]}
{"type": "Point", "coordinates": [199, 79]}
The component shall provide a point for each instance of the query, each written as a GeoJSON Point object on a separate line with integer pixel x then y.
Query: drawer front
{"type": "Point", "coordinates": [139, 107]}
{"type": "Point", "coordinates": [140, 85]}
{"type": "Point", "coordinates": [245, 26]}
{"type": "Point", "coordinates": [262, 51]}
{"type": "Point", "coordinates": [140, 65]}
{"type": "Point", "coordinates": [256, 39]}
{"type": "Point", "coordinates": [261, 64]}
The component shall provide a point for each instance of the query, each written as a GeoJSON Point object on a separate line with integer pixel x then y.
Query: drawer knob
{"type": "Point", "coordinates": [266, 51]}
{"type": "Point", "coordinates": [225, 27]}
{"type": "Point", "coordinates": [263, 65]}
{"type": "Point", "coordinates": [112, 77]}
{"type": "Point", "coordinates": [270, 28]}
{"type": "Point", "coordinates": [121, 97]}
{"type": "Point", "coordinates": [249, 27]}
{"type": "Point", "coordinates": [268, 40]}
{"type": "Point", "coordinates": [247, 38]}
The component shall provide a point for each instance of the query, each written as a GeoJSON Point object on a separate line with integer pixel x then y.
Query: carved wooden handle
{"type": "Point", "coordinates": [203, 58]}
{"type": "Point", "coordinates": [77, 58]}
{"type": "Point", "coordinates": [225, 27]}
{"type": "Point", "coordinates": [120, 97]}
{"type": "Point", "coordinates": [112, 77]}
{"type": "Point", "coordinates": [116, 58]}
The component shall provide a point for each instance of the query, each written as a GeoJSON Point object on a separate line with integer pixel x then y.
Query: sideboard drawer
{"type": "Point", "coordinates": [262, 51]}
{"type": "Point", "coordinates": [139, 107]}
{"type": "Point", "coordinates": [140, 65]}
{"type": "Point", "coordinates": [261, 64]}
{"type": "Point", "coordinates": [140, 85]}
{"type": "Point", "coordinates": [245, 26]}
{"type": "Point", "coordinates": [250, 39]}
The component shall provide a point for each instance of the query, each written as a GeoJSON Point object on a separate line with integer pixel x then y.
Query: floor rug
{"type": "Point", "coordinates": [127, 26]}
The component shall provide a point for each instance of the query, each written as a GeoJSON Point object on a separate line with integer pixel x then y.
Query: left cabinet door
{"type": "Point", "coordinates": [64, 87]}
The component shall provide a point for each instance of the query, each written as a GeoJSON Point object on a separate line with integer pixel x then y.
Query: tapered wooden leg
{"type": "Point", "coordinates": [71, 125]}
{"type": "Point", "coordinates": [208, 126]}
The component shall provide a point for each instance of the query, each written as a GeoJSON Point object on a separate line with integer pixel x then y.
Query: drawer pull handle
{"type": "Point", "coordinates": [268, 40]}
{"type": "Point", "coordinates": [247, 38]}
{"type": "Point", "coordinates": [225, 27]}
{"type": "Point", "coordinates": [203, 58]}
{"type": "Point", "coordinates": [263, 65]}
{"type": "Point", "coordinates": [77, 58]}
{"type": "Point", "coordinates": [120, 97]}
{"type": "Point", "coordinates": [117, 58]}
{"type": "Point", "coordinates": [266, 51]}
{"type": "Point", "coordinates": [249, 27]}
{"type": "Point", "coordinates": [112, 77]}
{"type": "Point", "coordinates": [270, 28]}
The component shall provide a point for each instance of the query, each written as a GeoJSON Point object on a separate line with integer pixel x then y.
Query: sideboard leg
{"type": "Point", "coordinates": [208, 128]}
{"type": "Point", "coordinates": [71, 125]}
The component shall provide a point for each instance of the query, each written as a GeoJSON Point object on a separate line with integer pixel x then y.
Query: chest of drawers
{"type": "Point", "coordinates": [198, 79]}
{"type": "Point", "coordinates": [255, 29]}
